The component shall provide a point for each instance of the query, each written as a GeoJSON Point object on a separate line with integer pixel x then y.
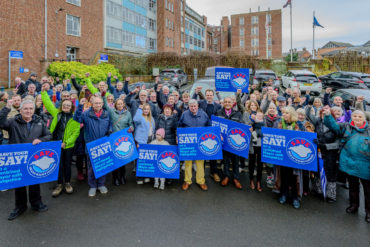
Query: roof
{"type": "Point", "coordinates": [367, 44]}
{"type": "Point", "coordinates": [337, 44]}
{"type": "Point", "coordinates": [325, 51]}
{"type": "Point", "coordinates": [354, 91]}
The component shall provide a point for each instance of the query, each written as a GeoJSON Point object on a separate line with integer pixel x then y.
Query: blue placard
{"type": "Point", "coordinates": [21, 69]}
{"type": "Point", "coordinates": [109, 153]}
{"type": "Point", "coordinates": [236, 136]}
{"type": "Point", "coordinates": [202, 143]}
{"type": "Point", "coordinates": [289, 148]}
{"type": "Point", "coordinates": [16, 54]}
{"type": "Point", "coordinates": [103, 57]}
{"type": "Point", "coordinates": [158, 161]}
{"type": "Point", "coordinates": [230, 79]}
{"type": "Point", "coordinates": [27, 164]}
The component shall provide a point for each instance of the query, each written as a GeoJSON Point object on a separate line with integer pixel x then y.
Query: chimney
{"type": "Point", "coordinates": [259, 8]}
{"type": "Point", "coordinates": [250, 10]}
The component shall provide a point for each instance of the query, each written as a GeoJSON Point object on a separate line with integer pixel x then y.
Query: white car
{"type": "Point", "coordinates": [303, 80]}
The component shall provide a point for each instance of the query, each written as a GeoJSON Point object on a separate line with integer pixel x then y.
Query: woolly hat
{"type": "Point", "coordinates": [160, 132]}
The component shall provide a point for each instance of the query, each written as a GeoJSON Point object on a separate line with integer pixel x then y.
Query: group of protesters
{"type": "Point", "coordinates": [53, 110]}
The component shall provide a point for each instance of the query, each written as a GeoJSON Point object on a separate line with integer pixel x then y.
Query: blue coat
{"type": "Point", "coordinates": [113, 90]}
{"type": "Point", "coordinates": [355, 155]}
{"type": "Point", "coordinates": [94, 127]}
{"type": "Point", "coordinates": [142, 127]}
{"type": "Point", "coordinates": [188, 119]}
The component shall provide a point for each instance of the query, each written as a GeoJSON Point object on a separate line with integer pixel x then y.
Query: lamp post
{"type": "Point", "coordinates": [56, 29]}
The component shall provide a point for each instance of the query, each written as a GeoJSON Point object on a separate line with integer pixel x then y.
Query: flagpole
{"type": "Point", "coordinates": [291, 34]}
{"type": "Point", "coordinates": [313, 37]}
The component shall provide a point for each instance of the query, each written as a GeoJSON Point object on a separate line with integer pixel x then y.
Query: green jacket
{"type": "Point", "coordinates": [72, 130]}
{"type": "Point", "coordinates": [92, 88]}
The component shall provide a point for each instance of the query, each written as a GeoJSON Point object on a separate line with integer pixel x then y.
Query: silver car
{"type": "Point", "coordinates": [175, 77]}
{"type": "Point", "coordinates": [303, 80]}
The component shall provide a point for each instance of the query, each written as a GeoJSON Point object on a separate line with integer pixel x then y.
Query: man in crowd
{"type": "Point", "coordinates": [31, 91]}
{"type": "Point", "coordinates": [33, 80]}
{"type": "Point", "coordinates": [14, 110]}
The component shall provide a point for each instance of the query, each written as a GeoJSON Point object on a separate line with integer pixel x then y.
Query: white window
{"type": "Point", "coordinates": [254, 30]}
{"type": "Point", "coordinates": [71, 54]}
{"type": "Point", "coordinates": [241, 21]}
{"type": "Point", "coordinates": [268, 18]}
{"type": "Point", "coordinates": [74, 2]}
{"type": "Point", "coordinates": [254, 42]}
{"type": "Point", "coordinates": [166, 23]}
{"type": "Point", "coordinates": [241, 31]}
{"type": "Point", "coordinates": [269, 30]}
{"type": "Point", "coordinates": [172, 9]}
{"type": "Point", "coordinates": [215, 40]}
{"type": "Point", "coordinates": [152, 25]}
{"type": "Point", "coordinates": [242, 43]}
{"type": "Point", "coordinates": [166, 4]}
{"type": "Point", "coordinates": [73, 25]}
{"type": "Point", "coordinates": [254, 19]}
{"type": "Point", "coordinates": [269, 53]}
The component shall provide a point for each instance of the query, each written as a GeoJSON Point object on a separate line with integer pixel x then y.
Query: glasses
{"type": "Point", "coordinates": [67, 105]}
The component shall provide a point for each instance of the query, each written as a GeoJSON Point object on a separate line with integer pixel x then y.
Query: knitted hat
{"type": "Point", "coordinates": [160, 132]}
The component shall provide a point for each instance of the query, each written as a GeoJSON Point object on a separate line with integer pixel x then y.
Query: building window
{"type": "Point", "coordinates": [254, 30]}
{"type": "Point", "coordinates": [152, 5]}
{"type": "Point", "coordinates": [74, 2]}
{"type": "Point", "coordinates": [269, 29]}
{"type": "Point", "coordinates": [191, 40]}
{"type": "Point", "coordinates": [268, 18]}
{"type": "Point", "coordinates": [269, 41]}
{"type": "Point", "coordinates": [269, 53]}
{"type": "Point", "coordinates": [152, 25]}
{"type": "Point", "coordinates": [254, 20]}
{"type": "Point", "coordinates": [202, 32]}
{"type": "Point", "coordinates": [241, 31]}
{"type": "Point", "coordinates": [73, 25]}
{"type": "Point", "coordinates": [241, 21]}
{"type": "Point", "coordinates": [166, 4]}
{"type": "Point", "coordinates": [254, 42]}
{"type": "Point", "coordinates": [202, 44]}
{"type": "Point", "coordinates": [166, 41]}
{"type": "Point", "coordinates": [215, 40]}
{"type": "Point", "coordinates": [242, 43]}
{"type": "Point", "coordinates": [166, 23]}
{"type": "Point", "coordinates": [71, 54]}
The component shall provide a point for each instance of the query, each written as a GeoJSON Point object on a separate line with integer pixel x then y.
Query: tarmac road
{"type": "Point", "coordinates": [138, 215]}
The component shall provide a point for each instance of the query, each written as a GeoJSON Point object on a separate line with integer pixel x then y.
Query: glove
{"type": "Point", "coordinates": [103, 93]}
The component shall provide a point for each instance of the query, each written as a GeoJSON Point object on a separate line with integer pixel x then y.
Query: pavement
{"type": "Point", "coordinates": [138, 215]}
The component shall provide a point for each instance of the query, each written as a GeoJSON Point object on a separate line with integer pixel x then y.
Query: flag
{"type": "Point", "coordinates": [322, 175]}
{"type": "Point", "coordinates": [316, 23]}
{"type": "Point", "coordinates": [287, 3]}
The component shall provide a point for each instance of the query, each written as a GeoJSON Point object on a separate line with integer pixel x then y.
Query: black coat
{"type": "Point", "coordinates": [38, 84]}
{"type": "Point", "coordinates": [169, 125]}
{"type": "Point", "coordinates": [18, 131]}
{"type": "Point", "coordinates": [235, 116]}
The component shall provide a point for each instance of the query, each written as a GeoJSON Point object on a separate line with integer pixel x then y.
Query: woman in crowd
{"type": "Point", "coordinates": [354, 157]}
{"type": "Point", "coordinates": [144, 130]}
{"type": "Point", "coordinates": [63, 128]}
{"type": "Point", "coordinates": [168, 121]}
{"type": "Point", "coordinates": [121, 119]}
{"type": "Point", "coordinates": [159, 140]}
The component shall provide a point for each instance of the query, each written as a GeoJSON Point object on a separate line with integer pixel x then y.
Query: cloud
{"type": "Point", "coordinates": [44, 163]}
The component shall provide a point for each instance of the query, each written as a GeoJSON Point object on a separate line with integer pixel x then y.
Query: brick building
{"type": "Point", "coordinates": [74, 32]}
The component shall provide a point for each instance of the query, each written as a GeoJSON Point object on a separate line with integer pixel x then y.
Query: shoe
{"type": "Point", "coordinates": [146, 180]}
{"type": "Point", "coordinates": [116, 182]}
{"type": "Point", "coordinates": [161, 187]}
{"type": "Point", "coordinates": [68, 188]}
{"type": "Point", "coordinates": [259, 188]}
{"type": "Point", "coordinates": [185, 186]}
{"type": "Point", "coordinates": [330, 200]}
{"type": "Point", "coordinates": [103, 189]}
{"type": "Point", "coordinates": [40, 208]}
{"type": "Point", "coordinates": [305, 193]}
{"type": "Point", "coordinates": [16, 212]}
{"type": "Point", "coordinates": [296, 204]}
{"type": "Point", "coordinates": [4, 190]}
{"type": "Point", "coordinates": [282, 199]}
{"type": "Point", "coordinates": [139, 181]}
{"type": "Point", "coordinates": [225, 181]}
{"type": "Point", "coordinates": [367, 218]}
{"type": "Point", "coordinates": [57, 191]}
{"type": "Point", "coordinates": [241, 170]}
{"type": "Point", "coordinates": [92, 192]}
{"type": "Point", "coordinates": [80, 177]}
{"type": "Point", "coordinates": [237, 184]}
{"type": "Point", "coordinates": [123, 180]}
{"type": "Point", "coordinates": [251, 185]}
{"type": "Point", "coordinates": [215, 177]}
{"type": "Point", "coordinates": [156, 184]}
{"type": "Point", "coordinates": [351, 210]}
{"type": "Point", "coordinates": [203, 187]}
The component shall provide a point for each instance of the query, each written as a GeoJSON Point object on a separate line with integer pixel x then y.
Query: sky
{"type": "Point", "coordinates": [343, 20]}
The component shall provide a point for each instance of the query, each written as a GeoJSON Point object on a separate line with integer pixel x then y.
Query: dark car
{"type": "Point", "coordinates": [263, 76]}
{"type": "Point", "coordinates": [351, 94]}
{"type": "Point", "coordinates": [175, 77]}
{"type": "Point", "coordinates": [342, 79]}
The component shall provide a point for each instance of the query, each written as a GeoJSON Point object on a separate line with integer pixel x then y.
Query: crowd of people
{"type": "Point", "coordinates": [55, 110]}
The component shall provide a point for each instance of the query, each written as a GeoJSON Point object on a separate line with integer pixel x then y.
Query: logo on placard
{"type": "Point", "coordinates": [43, 163]}
{"type": "Point", "coordinates": [123, 147]}
{"type": "Point", "coordinates": [239, 80]}
{"type": "Point", "coordinates": [209, 144]}
{"type": "Point", "coordinates": [168, 162]}
{"type": "Point", "coordinates": [301, 151]}
{"type": "Point", "coordinates": [237, 139]}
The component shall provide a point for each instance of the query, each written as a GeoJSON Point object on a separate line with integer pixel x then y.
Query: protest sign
{"type": "Point", "coordinates": [230, 79]}
{"type": "Point", "coordinates": [27, 164]}
{"type": "Point", "coordinates": [158, 161]}
{"type": "Point", "coordinates": [289, 148]}
{"type": "Point", "coordinates": [201, 143]}
{"type": "Point", "coordinates": [236, 136]}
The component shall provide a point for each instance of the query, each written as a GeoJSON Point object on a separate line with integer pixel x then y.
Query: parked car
{"type": "Point", "coordinates": [263, 76]}
{"type": "Point", "coordinates": [210, 71]}
{"type": "Point", "coordinates": [343, 79]}
{"type": "Point", "coordinates": [175, 77]}
{"type": "Point", "coordinates": [351, 94]}
{"type": "Point", "coordinates": [303, 80]}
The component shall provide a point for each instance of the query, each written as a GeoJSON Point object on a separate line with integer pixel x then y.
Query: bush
{"type": "Point", "coordinates": [98, 73]}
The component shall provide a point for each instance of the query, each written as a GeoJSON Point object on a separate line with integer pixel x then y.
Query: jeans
{"type": "Point", "coordinates": [199, 174]}
{"type": "Point", "coordinates": [354, 192]}
{"type": "Point", "coordinates": [92, 181]}
{"type": "Point", "coordinates": [234, 160]}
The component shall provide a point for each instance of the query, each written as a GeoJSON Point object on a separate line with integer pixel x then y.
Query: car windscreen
{"type": "Point", "coordinates": [306, 77]}
{"type": "Point", "coordinates": [206, 86]}
{"type": "Point", "coordinates": [265, 75]}
{"type": "Point", "coordinates": [167, 73]}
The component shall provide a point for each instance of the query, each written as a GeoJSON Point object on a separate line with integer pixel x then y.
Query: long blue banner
{"type": "Point", "coordinates": [289, 148]}
{"type": "Point", "coordinates": [158, 161]}
{"type": "Point", "coordinates": [202, 143]}
{"type": "Point", "coordinates": [109, 153]}
{"type": "Point", "coordinates": [26, 164]}
{"type": "Point", "coordinates": [230, 79]}
{"type": "Point", "coordinates": [236, 136]}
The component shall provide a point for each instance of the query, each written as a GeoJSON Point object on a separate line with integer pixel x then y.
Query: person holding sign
{"type": "Point", "coordinates": [194, 117]}
{"type": "Point", "coordinates": [289, 176]}
{"type": "Point", "coordinates": [64, 128]}
{"type": "Point", "coordinates": [354, 156]}
{"type": "Point", "coordinates": [25, 128]}
{"type": "Point", "coordinates": [229, 113]}
{"type": "Point", "coordinates": [97, 124]}
{"type": "Point", "coordinates": [159, 140]}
